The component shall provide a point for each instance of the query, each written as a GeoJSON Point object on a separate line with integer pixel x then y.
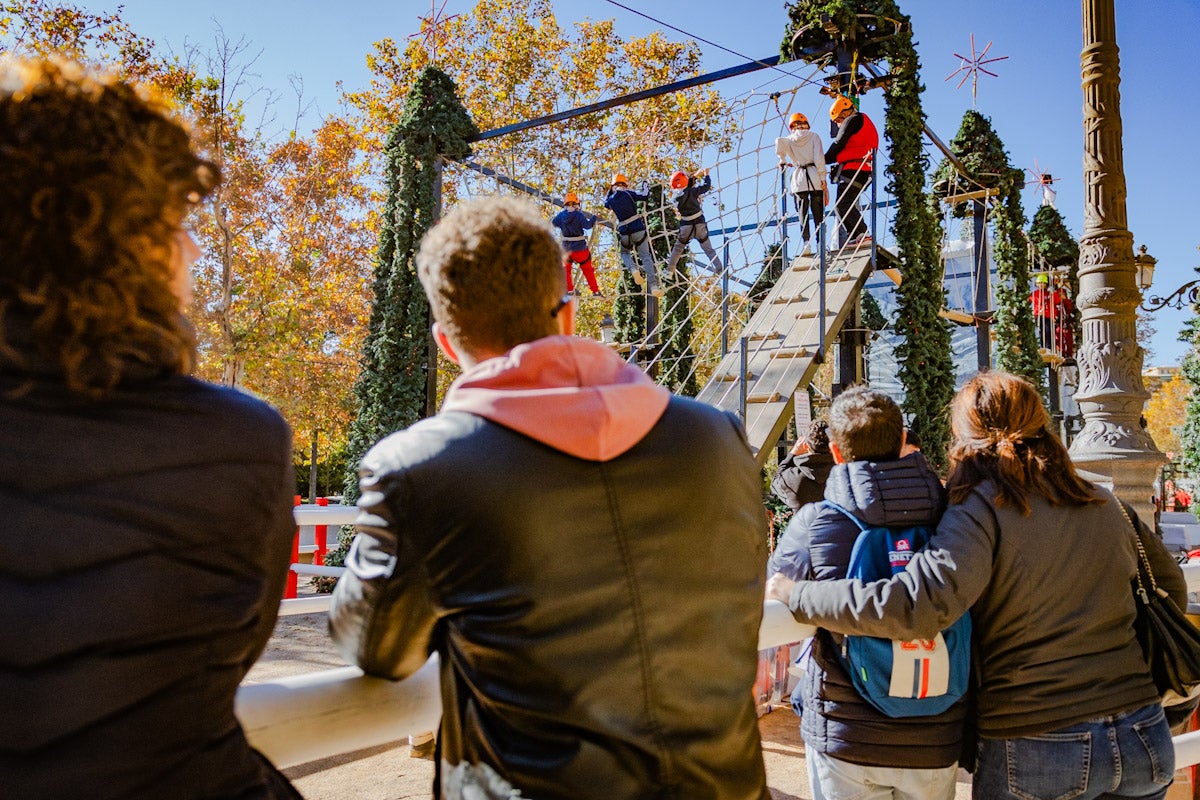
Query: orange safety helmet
{"type": "Point", "coordinates": [620, 178]}
{"type": "Point", "coordinates": [795, 118]}
{"type": "Point", "coordinates": [679, 180]}
{"type": "Point", "coordinates": [571, 198]}
{"type": "Point", "coordinates": [842, 103]}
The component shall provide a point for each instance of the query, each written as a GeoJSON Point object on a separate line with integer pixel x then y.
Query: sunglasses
{"type": "Point", "coordinates": [561, 304]}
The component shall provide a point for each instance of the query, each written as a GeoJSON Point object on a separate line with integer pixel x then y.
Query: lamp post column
{"type": "Point", "coordinates": [1112, 447]}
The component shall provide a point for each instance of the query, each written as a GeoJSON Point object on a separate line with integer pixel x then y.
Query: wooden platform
{"type": "Point", "coordinates": [782, 344]}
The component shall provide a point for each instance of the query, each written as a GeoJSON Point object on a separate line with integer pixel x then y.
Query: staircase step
{"type": "Point", "coordinates": [733, 377]}
{"type": "Point", "coordinates": [799, 352]}
{"type": "Point", "coordinates": [767, 397]}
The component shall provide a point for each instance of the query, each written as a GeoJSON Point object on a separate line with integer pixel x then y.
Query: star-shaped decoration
{"type": "Point", "coordinates": [971, 67]}
{"type": "Point", "coordinates": [433, 32]}
{"type": "Point", "coordinates": [1042, 182]}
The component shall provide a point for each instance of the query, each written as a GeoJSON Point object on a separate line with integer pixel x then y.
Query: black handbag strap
{"type": "Point", "coordinates": [1143, 559]}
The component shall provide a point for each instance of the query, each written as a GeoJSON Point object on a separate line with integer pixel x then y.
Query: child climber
{"type": "Point", "coordinates": [691, 217]}
{"type": "Point", "coordinates": [802, 149]}
{"type": "Point", "coordinates": [631, 231]}
{"type": "Point", "coordinates": [572, 223]}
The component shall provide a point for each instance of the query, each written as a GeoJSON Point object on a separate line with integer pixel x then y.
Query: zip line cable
{"type": "Point", "coordinates": [657, 21]}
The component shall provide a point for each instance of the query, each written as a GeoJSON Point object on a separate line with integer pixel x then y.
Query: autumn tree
{"type": "Point", "coordinates": [512, 61]}
{"type": "Point", "coordinates": [1166, 412]}
{"type": "Point", "coordinates": [281, 287]}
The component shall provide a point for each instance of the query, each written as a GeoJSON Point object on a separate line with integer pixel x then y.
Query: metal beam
{"type": "Point", "coordinates": [625, 99]}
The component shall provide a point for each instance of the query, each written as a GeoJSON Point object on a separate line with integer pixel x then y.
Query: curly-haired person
{"type": "Point", "coordinates": [148, 514]}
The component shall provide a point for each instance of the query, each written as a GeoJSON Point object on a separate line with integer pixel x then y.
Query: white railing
{"type": "Point", "coordinates": [307, 717]}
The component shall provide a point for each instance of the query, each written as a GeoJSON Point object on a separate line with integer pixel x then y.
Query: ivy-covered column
{"type": "Point", "coordinates": [397, 361]}
{"type": "Point", "coordinates": [1112, 447]}
{"type": "Point", "coordinates": [978, 147]}
{"type": "Point", "coordinates": [870, 31]}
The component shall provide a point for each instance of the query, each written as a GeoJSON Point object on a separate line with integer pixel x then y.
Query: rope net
{"type": "Point", "coordinates": [752, 222]}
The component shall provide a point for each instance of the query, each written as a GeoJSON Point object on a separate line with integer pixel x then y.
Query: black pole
{"type": "Point", "coordinates": [983, 337]}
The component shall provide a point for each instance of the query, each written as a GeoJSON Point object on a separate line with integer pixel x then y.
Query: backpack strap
{"type": "Point", "coordinates": [862, 526]}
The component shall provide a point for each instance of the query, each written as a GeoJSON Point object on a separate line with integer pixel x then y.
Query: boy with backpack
{"type": "Point", "coordinates": [851, 746]}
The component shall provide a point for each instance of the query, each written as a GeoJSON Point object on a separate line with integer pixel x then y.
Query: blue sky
{"type": "Point", "coordinates": [1035, 105]}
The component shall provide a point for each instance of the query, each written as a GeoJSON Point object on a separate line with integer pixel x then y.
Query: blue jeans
{"type": "Point", "coordinates": [1129, 755]}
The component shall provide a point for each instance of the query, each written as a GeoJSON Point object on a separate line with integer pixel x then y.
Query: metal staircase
{"type": "Point", "coordinates": [778, 350]}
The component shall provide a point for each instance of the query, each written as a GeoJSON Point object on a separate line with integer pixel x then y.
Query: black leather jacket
{"type": "Point", "coordinates": [145, 546]}
{"type": "Point", "coordinates": [597, 621]}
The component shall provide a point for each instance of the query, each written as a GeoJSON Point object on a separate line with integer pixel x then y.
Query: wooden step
{"type": "Point", "coordinates": [733, 377]}
{"type": "Point", "coordinates": [766, 397]}
{"type": "Point", "coordinates": [797, 352]}
{"type": "Point", "coordinates": [764, 336]}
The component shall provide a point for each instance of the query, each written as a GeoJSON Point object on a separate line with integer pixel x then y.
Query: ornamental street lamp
{"type": "Point", "coordinates": [1185, 295]}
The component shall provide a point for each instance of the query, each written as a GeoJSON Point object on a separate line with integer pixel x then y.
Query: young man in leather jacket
{"type": "Point", "coordinates": [583, 551]}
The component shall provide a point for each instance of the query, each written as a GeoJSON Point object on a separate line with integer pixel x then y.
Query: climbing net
{"type": "Point", "coordinates": [752, 221]}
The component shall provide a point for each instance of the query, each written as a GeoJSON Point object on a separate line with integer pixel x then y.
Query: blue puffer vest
{"type": "Point", "coordinates": [816, 546]}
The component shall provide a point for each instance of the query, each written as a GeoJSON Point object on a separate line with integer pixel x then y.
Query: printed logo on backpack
{"type": "Point", "coordinates": [913, 678]}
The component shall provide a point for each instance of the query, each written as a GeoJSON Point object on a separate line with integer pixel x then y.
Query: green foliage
{"type": "Point", "coordinates": [1189, 432]}
{"type": "Point", "coordinates": [391, 392]}
{"type": "Point", "coordinates": [771, 272]}
{"type": "Point", "coordinates": [872, 315]}
{"type": "Point", "coordinates": [629, 310]}
{"type": "Point", "coordinates": [1053, 245]}
{"type": "Point", "coordinates": [979, 149]}
{"type": "Point", "coordinates": [825, 24]}
{"type": "Point", "coordinates": [676, 357]}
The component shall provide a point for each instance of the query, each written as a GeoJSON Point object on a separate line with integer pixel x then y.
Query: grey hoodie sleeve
{"type": "Point", "coordinates": [940, 584]}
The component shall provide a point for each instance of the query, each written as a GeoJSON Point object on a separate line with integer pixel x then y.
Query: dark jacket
{"type": "Point", "coordinates": [572, 223]}
{"type": "Point", "coordinates": [624, 203]}
{"type": "Point", "coordinates": [1051, 608]}
{"type": "Point", "coordinates": [800, 480]}
{"type": "Point", "coordinates": [816, 546]}
{"type": "Point", "coordinates": [689, 200]}
{"type": "Point", "coordinates": [596, 613]}
{"type": "Point", "coordinates": [146, 540]}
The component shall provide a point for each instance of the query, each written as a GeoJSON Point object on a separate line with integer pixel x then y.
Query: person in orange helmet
{"type": "Point", "coordinates": [688, 189]}
{"type": "Point", "coordinates": [572, 222]}
{"type": "Point", "coordinates": [852, 152]}
{"type": "Point", "coordinates": [802, 149]}
{"type": "Point", "coordinates": [631, 231]}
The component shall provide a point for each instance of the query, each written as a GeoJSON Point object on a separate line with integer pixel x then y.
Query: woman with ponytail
{"type": "Point", "coordinates": [1043, 560]}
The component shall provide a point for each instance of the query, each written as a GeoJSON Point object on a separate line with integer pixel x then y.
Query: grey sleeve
{"type": "Point", "coordinates": [939, 585]}
{"type": "Point", "coordinates": [383, 617]}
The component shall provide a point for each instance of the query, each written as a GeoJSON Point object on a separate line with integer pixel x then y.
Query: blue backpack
{"type": "Point", "coordinates": [916, 678]}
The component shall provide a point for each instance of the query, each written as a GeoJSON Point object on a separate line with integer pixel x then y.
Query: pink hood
{"type": "Point", "coordinates": [573, 394]}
